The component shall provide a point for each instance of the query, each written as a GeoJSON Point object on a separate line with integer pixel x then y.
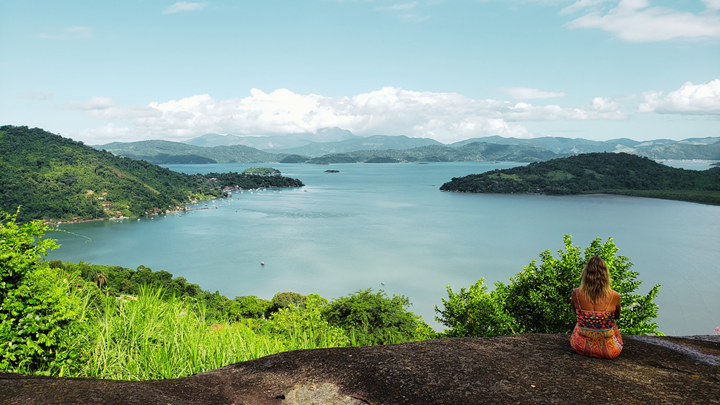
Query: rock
{"type": "Point", "coordinates": [501, 370]}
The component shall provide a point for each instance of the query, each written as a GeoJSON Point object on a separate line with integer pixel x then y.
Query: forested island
{"type": "Point", "coordinates": [55, 178]}
{"type": "Point", "coordinates": [254, 177]}
{"type": "Point", "coordinates": [597, 173]}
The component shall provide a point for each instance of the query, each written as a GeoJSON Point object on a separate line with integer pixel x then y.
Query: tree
{"type": "Point", "coordinates": [373, 318]}
{"type": "Point", "coordinates": [39, 326]}
{"type": "Point", "coordinates": [537, 300]}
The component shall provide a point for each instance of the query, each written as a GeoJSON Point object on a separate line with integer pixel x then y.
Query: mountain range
{"type": "Point", "coordinates": [336, 145]}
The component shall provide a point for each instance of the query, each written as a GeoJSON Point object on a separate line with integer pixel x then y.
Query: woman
{"type": "Point", "coordinates": [596, 306]}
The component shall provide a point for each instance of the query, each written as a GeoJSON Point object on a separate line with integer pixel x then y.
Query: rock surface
{"type": "Point", "coordinates": [502, 370]}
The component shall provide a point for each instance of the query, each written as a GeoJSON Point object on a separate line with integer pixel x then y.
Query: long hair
{"type": "Point", "coordinates": [595, 281]}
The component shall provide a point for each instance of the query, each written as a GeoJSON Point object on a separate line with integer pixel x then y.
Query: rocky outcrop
{"type": "Point", "coordinates": [502, 370]}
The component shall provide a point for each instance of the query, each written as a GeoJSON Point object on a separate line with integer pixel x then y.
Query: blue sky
{"type": "Point", "coordinates": [449, 70]}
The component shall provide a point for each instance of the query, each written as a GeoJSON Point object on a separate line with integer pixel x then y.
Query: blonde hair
{"type": "Point", "coordinates": [595, 280]}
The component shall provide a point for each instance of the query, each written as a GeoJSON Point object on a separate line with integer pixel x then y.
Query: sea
{"type": "Point", "coordinates": [389, 227]}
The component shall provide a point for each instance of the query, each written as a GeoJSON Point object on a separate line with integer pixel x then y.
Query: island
{"type": "Point", "coordinates": [332, 171]}
{"type": "Point", "coordinates": [254, 177]}
{"type": "Point", "coordinates": [597, 173]}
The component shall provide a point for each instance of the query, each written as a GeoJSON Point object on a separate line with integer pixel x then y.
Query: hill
{"type": "Point", "coordinates": [594, 173]}
{"type": "Point", "coordinates": [515, 369]}
{"type": "Point", "coordinates": [271, 142]}
{"type": "Point", "coordinates": [166, 152]}
{"type": "Point", "coordinates": [693, 148]}
{"type": "Point", "coordinates": [375, 142]}
{"type": "Point", "coordinates": [53, 177]}
{"type": "Point", "coordinates": [473, 152]}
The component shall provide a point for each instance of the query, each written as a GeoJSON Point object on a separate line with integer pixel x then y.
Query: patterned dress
{"type": "Point", "coordinates": [596, 334]}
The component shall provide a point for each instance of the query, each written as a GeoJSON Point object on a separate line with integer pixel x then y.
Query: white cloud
{"type": "Point", "coordinates": [68, 33]}
{"type": "Point", "coordinates": [36, 95]}
{"type": "Point", "coordinates": [636, 21]}
{"type": "Point", "coordinates": [107, 133]}
{"type": "Point", "coordinates": [391, 111]}
{"type": "Point", "coordinates": [581, 5]}
{"type": "Point", "coordinates": [712, 4]}
{"type": "Point", "coordinates": [105, 108]}
{"type": "Point", "coordinates": [403, 6]}
{"type": "Point", "coordinates": [688, 99]}
{"type": "Point", "coordinates": [526, 93]}
{"type": "Point", "coordinates": [182, 6]}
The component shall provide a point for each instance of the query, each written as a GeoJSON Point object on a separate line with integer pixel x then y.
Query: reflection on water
{"type": "Point", "coordinates": [374, 223]}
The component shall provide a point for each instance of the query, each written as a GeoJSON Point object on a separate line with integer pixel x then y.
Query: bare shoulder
{"type": "Point", "coordinates": [616, 297]}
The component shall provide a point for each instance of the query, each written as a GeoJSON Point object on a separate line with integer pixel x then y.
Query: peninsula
{"type": "Point", "coordinates": [597, 173]}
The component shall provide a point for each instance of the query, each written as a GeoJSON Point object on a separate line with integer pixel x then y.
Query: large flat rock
{"type": "Point", "coordinates": [509, 369]}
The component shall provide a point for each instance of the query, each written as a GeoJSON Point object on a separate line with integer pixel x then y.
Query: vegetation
{"type": "Point", "coordinates": [262, 171]}
{"type": "Point", "coordinates": [249, 180]}
{"type": "Point", "coordinates": [593, 173]}
{"type": "Point", "coordinates": [473, 152]}
{"type": "Point", "coordinates": [537, 300]}
{"type": "Point", "coordinates": [53, 177]}
{"type": "Point", "coordinates": [166, 152]}
{"type": "Point", "coordinates": [78, 319]}
{"type": "Point", "coordinates": [374, 318]}
{"type": "Point", "coordinates": [40, 317]}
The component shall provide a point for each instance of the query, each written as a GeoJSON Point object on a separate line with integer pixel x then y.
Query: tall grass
{"type": "Point", "coordinates": [155, 338]}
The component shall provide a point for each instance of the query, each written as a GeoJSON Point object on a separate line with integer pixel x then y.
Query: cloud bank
{"type": "Point", "coordinates": [446, 117]}
{"type": "Point", "coordinates": [636, 21]}
{"type": "Point", "coordinates": [526, 93]}
{"type": "Point", "coordinates": [700, 99]}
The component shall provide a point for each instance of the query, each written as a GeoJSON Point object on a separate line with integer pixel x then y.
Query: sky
{"type": "Point", "coordinates": [106, 71]}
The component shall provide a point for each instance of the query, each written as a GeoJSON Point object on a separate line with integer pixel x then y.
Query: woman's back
{"type": "Point", "coordinates": [596, 334]}
{"type": "Point", "coordinates": [610, 304]}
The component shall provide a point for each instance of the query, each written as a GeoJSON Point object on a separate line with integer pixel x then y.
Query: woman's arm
{"type": "Point", "coordinates": [617, 305]}
{"type": "Point", "coordinates": [572, 300]}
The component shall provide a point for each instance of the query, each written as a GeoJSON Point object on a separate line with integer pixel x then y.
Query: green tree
{"type": "Point", "coordinates": [537, 300]}
{"type": "Point", "coordinates": [39, 325]}
{"type": "Point", "coordinates": [374, 318]}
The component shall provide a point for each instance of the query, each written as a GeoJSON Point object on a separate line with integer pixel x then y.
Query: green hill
{"type": "Point", "coordinates": [593, 173]}
{"type": "Point", "coordinates": [166, 152]}
{"type": "Point", "coordinates": [473, 152]}
{"type": "Point", "coordinates": [57, 178]}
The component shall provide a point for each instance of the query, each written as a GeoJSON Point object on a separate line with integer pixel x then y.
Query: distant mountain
{"type": "Point", "coordinates": [473, 152]}
{"type": "Point", "coordinates": [166, 152]}
{"type": "Point", "coordinates": [595, 173]}
{"type": "Point", "coordinates": [658, 149]}
{"type": "Point", "coordinates": [272, 142]}
{"type": "Point", "coordinates": [679, 151]}
{"type": "Point", "coordinates": [375, 142]}
{"type": "Point", "coordinates": [57, 178]}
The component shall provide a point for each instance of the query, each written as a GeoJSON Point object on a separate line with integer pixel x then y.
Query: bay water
{"type": "Point", "coordinates": [387, 226]}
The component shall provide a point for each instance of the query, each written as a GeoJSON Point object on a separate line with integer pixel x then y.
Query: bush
{"type": "Point", "coordinates": [374, 318]}
{"type": "Point", "coordinates": [285, 299]}
{"type": "Point", "coordinates": [307, 324]}
{"type": "Point", "coordinates": [252, 307]}
{"type": "Point", "coordinates": [40, 326]}
{"type": "Point", "coordinates": [537, 300]}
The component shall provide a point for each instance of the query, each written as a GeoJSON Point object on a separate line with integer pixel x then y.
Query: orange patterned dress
{"type": "Point", "coordinates": [596, 334]}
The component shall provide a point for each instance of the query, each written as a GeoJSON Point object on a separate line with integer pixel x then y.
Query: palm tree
{"type": "Point", "coordinates": [100, 279]}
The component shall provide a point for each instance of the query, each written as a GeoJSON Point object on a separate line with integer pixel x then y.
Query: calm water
{"type": "Point", "coordinates": [388, 223]}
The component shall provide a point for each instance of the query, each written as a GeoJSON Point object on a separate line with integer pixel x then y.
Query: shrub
{"type": "Point", "coordinates": [374, 318]}
{"type": "Point", "coordinates": [251, 307]}
{"type": "Point", "coordinates": [40, 326]}
{"type": "Point", "coordinates": [307, 324]}
{"type": "Point", "coordinates": [537, 300]}
{"type": "Point", "coordinates": [285, 299]}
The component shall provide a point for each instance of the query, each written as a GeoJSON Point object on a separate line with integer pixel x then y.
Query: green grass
{"type": "Point", "coordinates": [152, 338]}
